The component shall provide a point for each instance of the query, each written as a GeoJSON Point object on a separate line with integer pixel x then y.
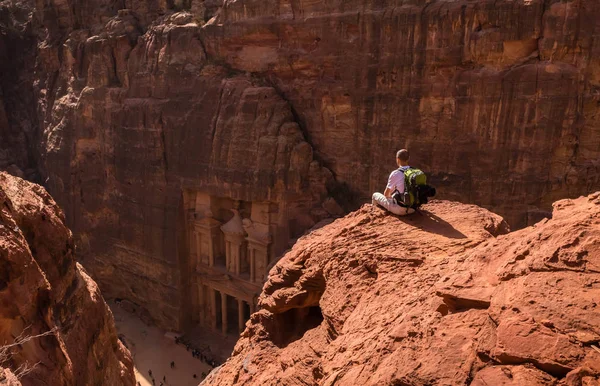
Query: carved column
{"type": "Point", "coordinates": [235, 247]}
{"type": "Point", "coordinates": [201, 304]}
{"type": "Point", "coordinates": [252, 267]}
{"type": "Point", "coordinates": [224, 313]}
{"type": "Point", "coordinates": [252, 308]}
{"type": "Point", "coordinates": [191, 231]}
{"type": "Point", "coordinates": [241, 321]}
{"type": "Point", "coordinates": [208, 239]}
{"type": "Point", "coordinates": [213, 308]}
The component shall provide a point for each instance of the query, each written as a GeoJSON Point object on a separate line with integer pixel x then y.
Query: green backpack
{"type": "Point", "coordinates": [413, 178]}
{"type": "Point", "coordinates": [416, 190]}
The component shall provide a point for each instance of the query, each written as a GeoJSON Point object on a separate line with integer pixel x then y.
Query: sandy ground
{"type": "Point", "coordinates": [151, 350]}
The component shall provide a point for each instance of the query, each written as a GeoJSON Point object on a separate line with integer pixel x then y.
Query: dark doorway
{"type": "Point", "coordinates": [293, 324]}
{"type": "Point", "coordinates": [232, 315]}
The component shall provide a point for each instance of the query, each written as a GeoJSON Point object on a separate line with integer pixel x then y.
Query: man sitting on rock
{"type": "Point", "coordinates": [395, 183]}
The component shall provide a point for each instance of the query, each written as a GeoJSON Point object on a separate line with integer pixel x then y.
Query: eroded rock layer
{"type": "Point", "coordinates": [51, 312]}
{"type": "Point", "coordinates": [443, 298]}
{"type": "Point", "coordinates": [496, 99]}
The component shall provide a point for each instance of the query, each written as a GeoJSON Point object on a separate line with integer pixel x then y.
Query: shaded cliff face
{"type": "Point", "coordinates": [42, 289]}
{"type": "Point", "coordinates": [19, 132]}
{"type": "Point", "coordinates": [438, 299]}
{"type": "Point", "coordinates": [142, 123]}
{"type": "Point", "coordinates": [286, 102]}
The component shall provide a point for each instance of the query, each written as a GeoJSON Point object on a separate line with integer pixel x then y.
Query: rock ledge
{"type": "Point", "coordinates": [446, 298]}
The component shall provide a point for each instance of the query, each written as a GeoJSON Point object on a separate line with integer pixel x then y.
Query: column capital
{"type": "Point", "coordinates": [257, 233]}
{"type": "Point", "coordinates": [206, 223]}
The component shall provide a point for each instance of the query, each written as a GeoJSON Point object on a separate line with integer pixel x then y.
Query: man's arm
{"type": "Point", "coordinates": [391, 185]}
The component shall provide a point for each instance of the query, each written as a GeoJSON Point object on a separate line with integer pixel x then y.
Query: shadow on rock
{"type": "Point", "coordinates": [429, 222]}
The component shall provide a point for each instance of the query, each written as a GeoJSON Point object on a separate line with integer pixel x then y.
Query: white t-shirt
{"type": "Point", "coordinates": [396, 180]}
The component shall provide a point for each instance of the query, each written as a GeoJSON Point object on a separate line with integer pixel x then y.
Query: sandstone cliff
{"type": "Point", "coordinates": [43, 289]}
{"type": "Point", "coordinates": [19, 131]}
{"type": "Point", "coordinates": [439, 299]}
{"type": "Point", "coordinates": [141, 105]}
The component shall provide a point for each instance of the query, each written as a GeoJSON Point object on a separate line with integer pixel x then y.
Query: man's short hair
{"type": "Point", "coordinates": [403, 155]}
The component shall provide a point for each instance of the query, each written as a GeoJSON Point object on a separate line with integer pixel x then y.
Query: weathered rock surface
{"type": "Point", "coordinates": [440, 299]}
{"type": "Point", "coordinates": [496, 99]}
{"type": "Point", "coordinates": [43, 289]}
{"type": "Point", "coordinates": [299, 103]}
{"type": "Point", "coordinates": [19, 131]}
{"type": "Point", "coordinates": [7, 378]}
{"type": "Point", "coordinates": [154, 119]}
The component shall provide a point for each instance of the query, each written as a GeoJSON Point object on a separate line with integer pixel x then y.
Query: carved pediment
{"type": "Point", "coordinates": [206, 222]}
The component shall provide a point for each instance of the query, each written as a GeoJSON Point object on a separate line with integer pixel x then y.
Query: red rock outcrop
{"type": "Point", "coordinates": [299, 104]}
{"type": "Point", "coordinates": [442, 298]}
{"type": "Point", "coordinates": [43, 289]}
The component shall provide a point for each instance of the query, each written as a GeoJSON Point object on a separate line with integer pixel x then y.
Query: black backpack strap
{"type": "Point", "coordinates": [395, 196]}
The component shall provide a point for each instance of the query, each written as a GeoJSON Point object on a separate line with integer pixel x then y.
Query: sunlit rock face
{"type": "Point", "coordinates": [442, 298]}
{"type": "Point", "coordinates": [52, 314]}
{"type": "Point", "coordinates": [496, 99]}
{"type": "Point", "coordinates": [152, 114]}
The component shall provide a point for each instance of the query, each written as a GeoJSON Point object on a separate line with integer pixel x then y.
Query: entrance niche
{"type": "Point", "coordinates": [202, 303]}
{"type": "Point", "coordinates": [218, 303]}
{"type": "Point", "coordinates": [232, 319]}
{"type": "Point", "coordinates": [209, 244]}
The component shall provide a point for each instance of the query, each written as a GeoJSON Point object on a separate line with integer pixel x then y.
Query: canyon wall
{"type": "Point", "coordinates": [144, 106]}
{"type": "Point", "coordinates": [497, 100]}
{"type": "Point", "coordinates": [445, 298]}
{"type": "Point", "coordinates": [144, 127]}
{"type": "Point", "coordinates": [52, 315]}
{"type": "Point", "coordinates": [19, 131]}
